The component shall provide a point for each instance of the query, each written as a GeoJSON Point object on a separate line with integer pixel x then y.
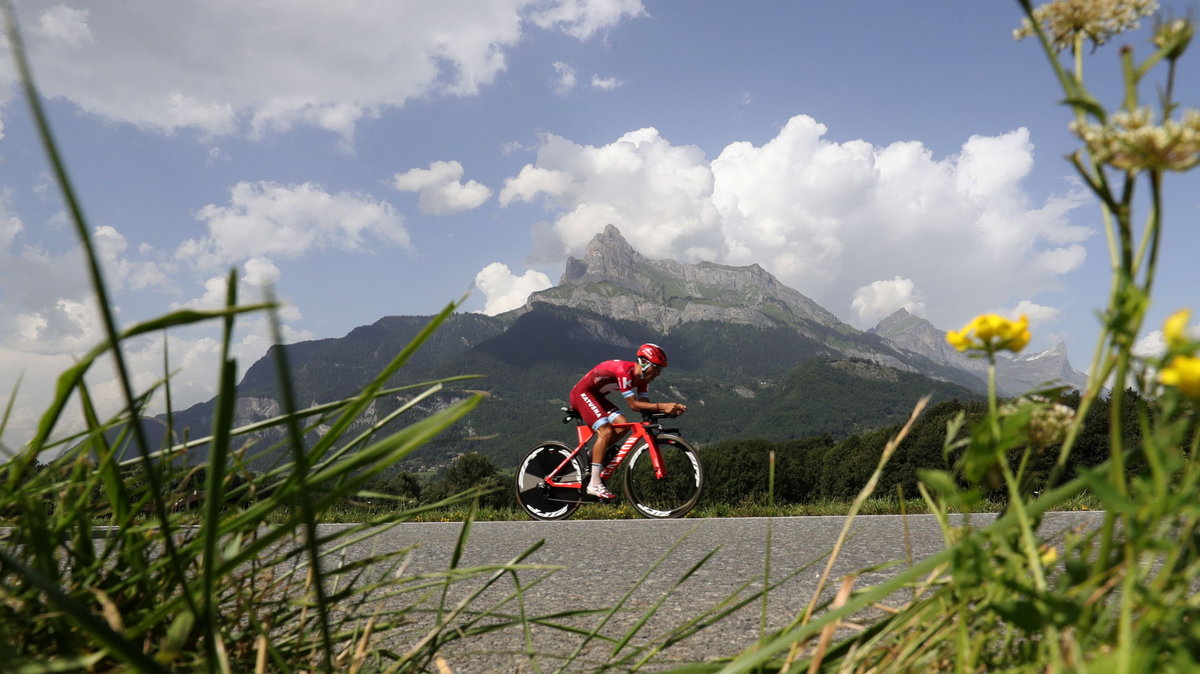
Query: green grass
{"type": "Point", "coordinates": [247, 582]}
{"type": "Point", "coordinates": [357, 510]}
{"type": "Point", "coordinates": [619, 511]}
{"type": "Point", "coordinates": [1119, 598]}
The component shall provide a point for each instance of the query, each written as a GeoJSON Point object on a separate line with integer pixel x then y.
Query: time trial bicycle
{"type": "Point", "coordinates": [663, 478]}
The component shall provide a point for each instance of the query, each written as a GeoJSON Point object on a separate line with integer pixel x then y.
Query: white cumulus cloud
{"type": "Point", "coordinates": [64, 25]}
{"type": "Point", "coordinates": [1154, 343]}
{"type": "Point", "coordinates": [46, 301]}
{"type": "Point", "coordinates": [273, 221]}
{"type": "Point", "coordinates": [828, 218]}
{"type": "Point", "coordinates": [506, 291]}
{"type": "Point", "coordinates": [1036, 313]}
{"type": "Point", "coordinates": [584, 18]}
{"type": "Point", "coordinates": [564, 79]}
{"type": "Point", "coordinates": [260, 272]}
{"type": "Point", "coordinates": [659, 195]}
{"type": "Point", "coordinates": [533, 181]}
{"type": "Point", "coordinates": [880, 299]}
{"type": "Point", "coordinates": [440, 188]}
{"type": "Point", "coordinates": [605, 83]}
{"type": "Point", "coordinates": [250, 68]}
{"type": "Point", "coordinates": [123, 271]}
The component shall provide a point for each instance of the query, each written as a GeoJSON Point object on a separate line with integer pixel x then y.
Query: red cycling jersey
{"type": "Point", "coordinates": [588, 396]}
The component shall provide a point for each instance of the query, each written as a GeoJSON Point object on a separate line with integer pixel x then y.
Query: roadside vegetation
{"type": "Point", "coordinates": [814, 476]}
{"type": "Point", "coordinates": [873, 506]}
{"type": "Point", "coordinates": [218, 568]}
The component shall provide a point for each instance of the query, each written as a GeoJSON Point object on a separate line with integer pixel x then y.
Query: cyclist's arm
{"type": "Point", "coordinates": [645, 406]}
{"type": "Point", "coordinates": [638, 397]}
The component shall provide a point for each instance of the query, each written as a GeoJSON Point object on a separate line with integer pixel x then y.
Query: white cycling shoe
{"type": "Point", "coordinates": [600, 491]}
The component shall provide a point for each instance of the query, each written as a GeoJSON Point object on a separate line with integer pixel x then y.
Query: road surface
{"type": "Point", "coordinates": [603, 560]}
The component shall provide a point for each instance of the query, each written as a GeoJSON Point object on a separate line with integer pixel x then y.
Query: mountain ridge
{"type": "Point", "coordinates": [749, 355]}
{"type": "Point", "coordinates": [1014, 374]}
{"type": "Point", "coordinates": [612, 277]}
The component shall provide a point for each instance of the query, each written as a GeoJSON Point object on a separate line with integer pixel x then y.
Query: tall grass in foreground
{"type": "Point", "coordinates": [101, 571]}
{"type": "Point", "coordinates": [1120, 598]}
{"type": "Point", "coordinates": [253, 584]}
{"type": "Point", "coordinates": [257, 586]}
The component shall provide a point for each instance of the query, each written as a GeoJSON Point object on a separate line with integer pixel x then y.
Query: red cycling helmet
{"type": "Point", "coordinates": [653, 353]}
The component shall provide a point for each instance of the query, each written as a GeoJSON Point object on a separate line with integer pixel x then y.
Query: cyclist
{"type": "Point", "coordinates": [632, 380]}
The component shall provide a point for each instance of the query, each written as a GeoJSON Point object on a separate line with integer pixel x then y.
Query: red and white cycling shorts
{"type": "Point", "coordinates": [595, 410]}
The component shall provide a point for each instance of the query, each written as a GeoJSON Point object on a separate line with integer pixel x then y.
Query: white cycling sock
{"type": "Point", "coordinates": [596, 468]}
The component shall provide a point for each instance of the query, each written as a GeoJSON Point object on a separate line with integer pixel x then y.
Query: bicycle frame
{"type": "Point", "coordinates": [664, 478]}
{"type": "Point", "coordinates": [640, 430]}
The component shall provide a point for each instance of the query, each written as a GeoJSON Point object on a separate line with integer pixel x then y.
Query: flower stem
{"type": "Point", "coordinates": [992, 406]}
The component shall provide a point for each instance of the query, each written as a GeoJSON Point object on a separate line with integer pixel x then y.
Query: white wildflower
{"type": "Point", "coordinates": [1095, 20]}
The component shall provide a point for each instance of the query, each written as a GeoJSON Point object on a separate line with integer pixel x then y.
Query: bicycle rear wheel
{"type": "Point", "coordinates": [677, 492]}
{"type": "Point", "coordinates": [543, 502]}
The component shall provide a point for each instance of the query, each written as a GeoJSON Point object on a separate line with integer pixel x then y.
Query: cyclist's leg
{"type": "Point", "coordinates": [600, 440]}
{"type": "Point", "coordinates": [607, 435]}
{"type": "Point", "coordinates": [615, 437]}
{"type": "Point", "coordinates": [598, 412]}
{"type": "Point", "coordinates": [603, 438]}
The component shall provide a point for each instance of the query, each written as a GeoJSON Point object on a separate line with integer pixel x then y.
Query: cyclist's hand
{"type": "Point", "coordinates": [675, 409]}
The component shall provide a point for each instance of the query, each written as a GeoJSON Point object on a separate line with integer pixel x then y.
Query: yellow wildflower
{"type": "Point", "coordinates": [1175, 329]}
{"type": "Point", "coordinates": [1182, 373]}
{"type": "Point", "coordinates": [991, 333]}
{"type": "Point", "coordinates": [958, 340]}
{"type": "Point", "coordinates": [1048, 554]}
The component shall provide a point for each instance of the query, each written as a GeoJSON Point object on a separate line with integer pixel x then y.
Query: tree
{"type": "Point", "coordinates": [402, 484]}
{"type": "Point", "coordinates": [471, 471]}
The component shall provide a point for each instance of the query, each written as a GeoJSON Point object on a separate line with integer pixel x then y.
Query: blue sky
{"type": "Point", "coordinates": [370, 159]}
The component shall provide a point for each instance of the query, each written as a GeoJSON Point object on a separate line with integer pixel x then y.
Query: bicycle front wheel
{"type": "Point", "coordinates": [536, 498]}
{"type": "Point", "coordinates": [677, 491]}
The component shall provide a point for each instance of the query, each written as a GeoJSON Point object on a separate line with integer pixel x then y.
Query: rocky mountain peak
{"type": "Point", "coordinates": [613, 279]}
{"type": "Point", "coordinates": [901, 322]}
{"type": "Point", "coordinates": [1056, 352]}
{"type": "Point", "coordinates": [917, 335]}
{"type": "Point", "coordinates": [1015, 375]}
{"type": "Point", "coordinates": [608, 257]}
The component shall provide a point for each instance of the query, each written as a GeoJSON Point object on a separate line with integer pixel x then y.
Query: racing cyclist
{"type": "Point", "coordinates": [632, 381]}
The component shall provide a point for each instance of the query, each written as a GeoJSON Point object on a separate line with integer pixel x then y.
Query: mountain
{"type": "Point", "coordinates": [613, 279]}
{"type": "Point", "coordinates": [1014, 374]}
{"type": "Point", "coordinates": [750, 356]}
{"type": "Point", "coordinates": [1036, 370]}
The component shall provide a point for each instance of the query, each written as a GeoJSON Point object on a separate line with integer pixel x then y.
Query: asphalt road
{"type": "Point", "coordinates": [603, 560]}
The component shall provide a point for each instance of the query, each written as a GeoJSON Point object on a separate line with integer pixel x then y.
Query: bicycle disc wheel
{"type": "Point", "coordinates": [675, 493]}
{"type": "Point", "coordinates": [542, 502]}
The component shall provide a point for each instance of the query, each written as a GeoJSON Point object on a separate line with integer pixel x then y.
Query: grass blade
{"type": "Point", "coordinates": [129, 652]}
